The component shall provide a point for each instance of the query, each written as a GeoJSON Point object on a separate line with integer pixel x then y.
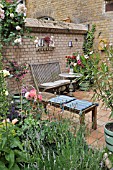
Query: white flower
{"type": "Point", "coordinates": [27, 95]}
{"type": "Point", "coordinates": [75, 64]}
{"type": "Point", "coordinates": [86, 56]}
{"type": "Point", "coordinates": [110, 153]}
{"type": "Point", "coordinates": [6, 93]}
{"type": "Point", "coordinates": [105, 45]}
{"type": "Point", "coordinates": [18, 41]}
{"type": "Point", "coordinates": [5, 72]}
{"type": "Point", "coordinates": [105, 155]}
{"type": "Point", "coordinates": [14, 121]}
{"type": "Point", "coordinates": [21, 9]}
{"type": "Point", "coordinates": [78, 57]}
{"type": "Point", "coordinates": [11, 15]}
{"type": "Point", "coordinates": [18, 28]}
{"type": "Point", "coordinates": [6, 120]}
{"type": "Point", "coordinates": [91, 52]}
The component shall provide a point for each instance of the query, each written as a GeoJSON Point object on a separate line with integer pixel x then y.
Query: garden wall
{"type": "Point", "coordinates": [28, 53]}
{"type": "Point", "coordinates": [85, 12]}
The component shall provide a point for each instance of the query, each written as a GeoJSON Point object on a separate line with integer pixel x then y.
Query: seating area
{"type": "Point", "coordinates": [46, 77]}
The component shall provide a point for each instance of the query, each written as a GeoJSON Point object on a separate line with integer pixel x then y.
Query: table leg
{"type": "Point", "coordinates": [71, 88]}
{"type": "Point", "coordinates": [94, 118]}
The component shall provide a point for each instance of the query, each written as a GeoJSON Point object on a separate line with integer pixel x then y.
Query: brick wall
{"type": "Point", "coordinates": [86, 11]}
{"type": "Point", "coordinates": [27, 53]}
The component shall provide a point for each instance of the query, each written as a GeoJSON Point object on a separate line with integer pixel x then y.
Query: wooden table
{"type": "Point", "coordinates": [46, 97]}
{"type": "Point", "coordinates": [71, 77]}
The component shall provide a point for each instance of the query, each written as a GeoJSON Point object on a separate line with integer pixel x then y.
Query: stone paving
{"type": "Point", "coordinates": [95, 137]}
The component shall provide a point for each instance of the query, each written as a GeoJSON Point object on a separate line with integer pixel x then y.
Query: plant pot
{"type": "Point", "coordinates": [108, 131]}
{"type": "Point", "coordinates": [84, 85]}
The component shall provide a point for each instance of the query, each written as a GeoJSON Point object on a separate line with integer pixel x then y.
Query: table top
{"type": "Point", "coordinates": [70, 75]}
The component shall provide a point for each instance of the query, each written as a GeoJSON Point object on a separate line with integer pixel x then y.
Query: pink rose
{"type": "Point", "coordinates": [32, 93]}
{"type": "Point", "coordinates": [79, 62]}
{"type": "Point", "coordinates": [40, 97]}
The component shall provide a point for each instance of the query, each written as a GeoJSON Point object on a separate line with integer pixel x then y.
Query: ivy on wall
{"type": "Point", "coordinates": [88, 40]}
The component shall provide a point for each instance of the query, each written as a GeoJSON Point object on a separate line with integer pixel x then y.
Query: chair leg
{"type": "Point", "coordinates": [94, 118]}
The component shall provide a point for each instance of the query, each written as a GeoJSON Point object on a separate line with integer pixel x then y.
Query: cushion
{"type": "Point", "coordinates": [62, 99]}
{"type": "Point", "coordinates": [55, 83]}
{"type": "Point", "coordinates": [79, 104]}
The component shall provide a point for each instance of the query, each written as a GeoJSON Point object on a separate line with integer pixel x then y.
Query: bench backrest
{"type": "Point", "coordinates": [45, 72]}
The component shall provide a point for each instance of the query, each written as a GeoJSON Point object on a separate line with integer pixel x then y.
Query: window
{"type": "Point", "coordinates": [46, 18]}
{"type": "Point", "coordinates": [108, 5]}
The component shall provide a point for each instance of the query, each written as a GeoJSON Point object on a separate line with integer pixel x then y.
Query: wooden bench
{"type": "Point", "coordinates": [46, 77]}
{"type": "Point", "coordinates": [72, 104]}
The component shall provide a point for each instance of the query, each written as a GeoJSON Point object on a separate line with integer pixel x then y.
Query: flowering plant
{"type": "Point", "coordinates": [82, 64]}
{"type": "Point", "coordinates": [16, 70]}
{"type": "Point", "coordinates": [74, 62]}
{"type": "Point", "coordinates": [30, 93]}
{"type": "Point", "coordinates": [103, 79]}
{"type": "Point", "coordinates": [12, 21]}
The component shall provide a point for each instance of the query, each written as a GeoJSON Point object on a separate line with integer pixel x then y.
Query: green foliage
{"type": "Point", "coordinates": [51, 145]}
{"type": "Point", "coordinates": [88, 41]}
{"type": "Point", "coordinates": [11, 150]}
{"type": "Point", "coordinates": [8, 23]}
{"type": "Point", "coordinates": [103, 78]}
{"type": "Point", "coordinates": [87, 71]}
{"type": "Point", "coordinates": [3, 97]}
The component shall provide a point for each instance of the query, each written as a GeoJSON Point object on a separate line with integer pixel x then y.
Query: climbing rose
{"type": "Point", "coordinates": [18, 28]}
{"type": "Point", "coordinates": [21, 9]}
{"type": "Point", "coordinates": [12, 15]}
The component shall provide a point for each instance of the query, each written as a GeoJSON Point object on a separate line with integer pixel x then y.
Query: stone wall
{"type": "Point", "coordinates": [86, 12]}
{"type": "Point", "coordinates": [27, 52]}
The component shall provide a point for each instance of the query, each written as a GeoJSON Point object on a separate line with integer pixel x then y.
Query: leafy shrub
{"type": "Point", "coordinates": [51, 145]}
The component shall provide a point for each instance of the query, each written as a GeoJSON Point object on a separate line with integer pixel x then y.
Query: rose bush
{"type": "Point", "coordinates": [12, 21]}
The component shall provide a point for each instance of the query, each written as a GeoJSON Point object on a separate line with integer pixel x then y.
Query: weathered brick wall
{"type": "Point", "coordinates": [27, 52]}
{"type": "Point", "coordinates": [86, 11]}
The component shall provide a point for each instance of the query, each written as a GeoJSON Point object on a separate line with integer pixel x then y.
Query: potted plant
{"type": "Point", "coordinates": [103, 88]}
